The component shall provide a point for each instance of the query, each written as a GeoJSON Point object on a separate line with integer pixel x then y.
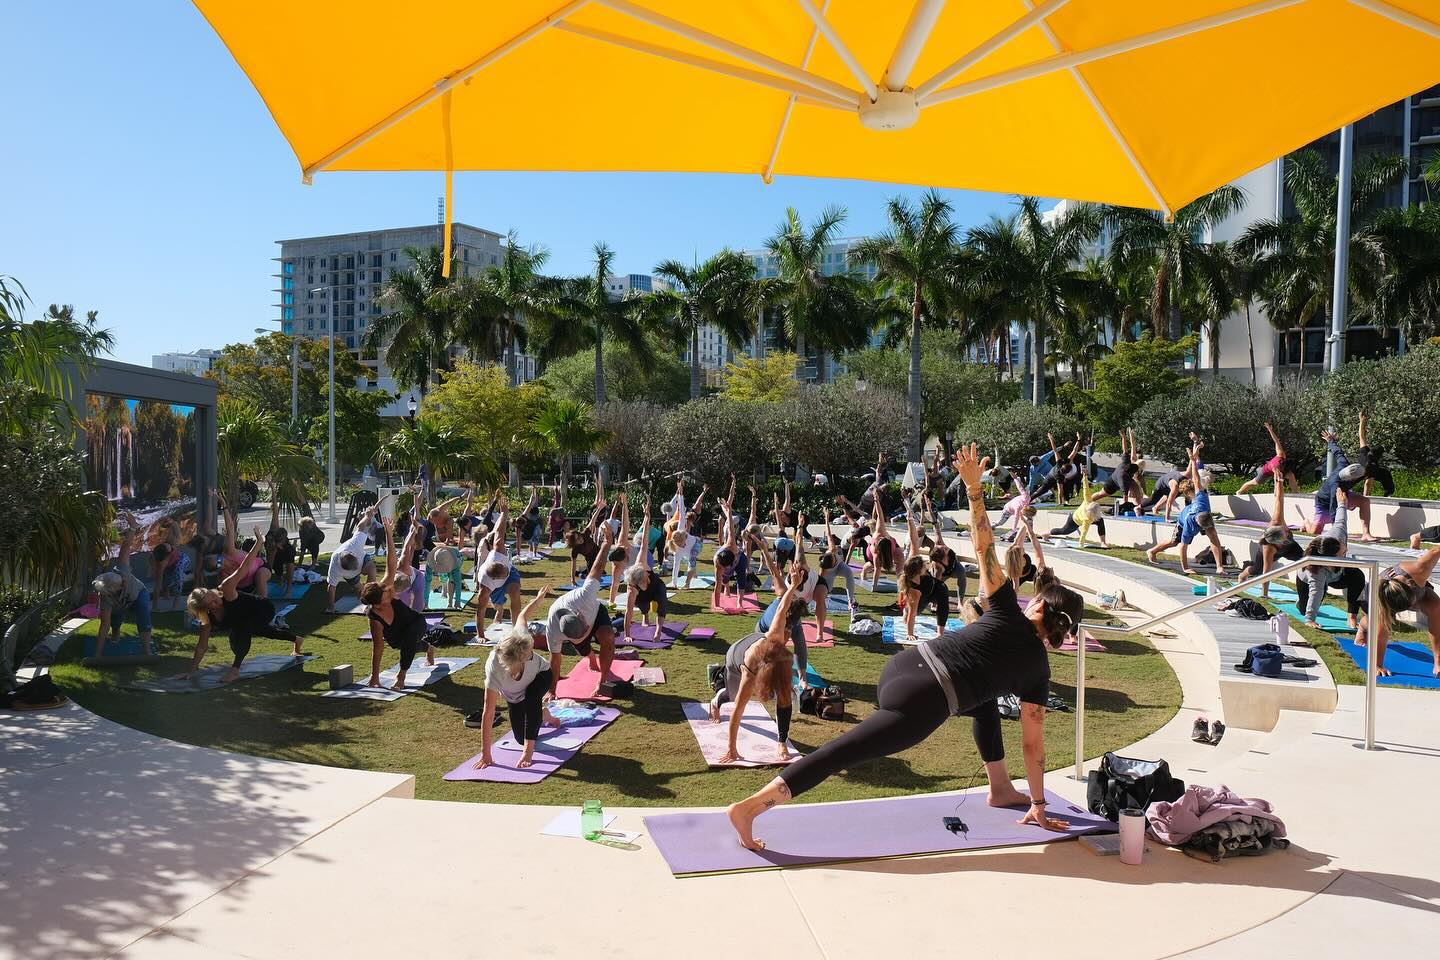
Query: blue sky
{"type": "Point", "coordinates": [143, 178]}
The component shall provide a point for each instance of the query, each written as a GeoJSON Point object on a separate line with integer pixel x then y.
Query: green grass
{"type": "Point", "coordinates": [646, 757]}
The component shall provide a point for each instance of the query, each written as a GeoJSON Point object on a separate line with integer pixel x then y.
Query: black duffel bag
{"type": "Point", "coordinates": [1125, 784]}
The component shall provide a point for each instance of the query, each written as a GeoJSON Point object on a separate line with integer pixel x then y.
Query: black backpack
{"type": "Point", "coordinates": [1245, 607]}
{"type": "Point", "coordinates": [1125, 784]}
{"type": "Point", "coordinates": [442, 636]}
{"type": "Point", "coordinates": [1207, 557]}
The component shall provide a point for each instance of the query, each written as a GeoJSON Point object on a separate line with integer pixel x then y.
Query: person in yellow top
{"type": "Point", "coordinates": [1085, 516]}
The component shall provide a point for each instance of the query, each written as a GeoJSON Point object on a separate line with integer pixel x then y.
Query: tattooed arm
{"type": "Point", "coordinates": [971, 468]}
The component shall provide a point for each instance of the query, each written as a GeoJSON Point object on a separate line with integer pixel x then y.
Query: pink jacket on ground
{"type": "Point", "coordinates": [1201, 807]}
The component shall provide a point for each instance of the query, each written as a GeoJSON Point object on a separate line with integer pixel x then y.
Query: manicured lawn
{"type": "Point", "coordinates": [648, 756]}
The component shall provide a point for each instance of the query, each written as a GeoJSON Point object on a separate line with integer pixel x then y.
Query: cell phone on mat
{"type": "Point", "coordinates": [955, 825]}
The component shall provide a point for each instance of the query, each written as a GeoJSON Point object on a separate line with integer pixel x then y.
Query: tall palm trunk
{"type": "Point", "coordinates": [599, 365]}
{"type": "Point", "coordinates": [1250, 334]}
{"type": "Point", "coordinates": [564, 477]}
{"type": "Point", "coordinates": [760, 334]}
{"type": "Point", "coordinates": [1214, 347]}
{"type": "Point", "coordinates": [1160, 301]}
{"type": "Point", "coordinates": [822, 371]}
{"type": "Point", "coordinates": [694, 361]}
{"type": "Point", "coordinates": [799, 353]}
{"type": "Point", "coordinates": [1038, 387]}
{"type": "Point", "coordinates": [916, 445]}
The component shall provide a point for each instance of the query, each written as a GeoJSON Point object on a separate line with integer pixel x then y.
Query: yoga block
{"type": "Point", "coordinates": [702, 633]}
{"type": "Point", "coordinates": [341, 676]}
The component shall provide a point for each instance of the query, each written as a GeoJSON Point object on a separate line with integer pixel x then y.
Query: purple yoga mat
{"type": "Point", "coordinates": [643, 636]}
{"type": "Point", "coordinates": [700, 843]}
{"type": "Point", "coordinates": [546, 761]}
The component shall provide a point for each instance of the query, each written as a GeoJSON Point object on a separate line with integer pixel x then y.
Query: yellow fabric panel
{"type": "Point", "coordinates": [1197, 111]}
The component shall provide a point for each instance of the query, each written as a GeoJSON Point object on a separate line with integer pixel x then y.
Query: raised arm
{"type": "Point", "coordinates": [1363, 442]}
{"type": "Point", "coordinates": [730, 497]}
{"type": "Point", "coordinates": [597, 569]}
{"type": "Point", "coordinates": [972, 469]}
{"type": "Point", "coordinates": [529, 608]}
{"type": "Point", "coordinates": [392, 563]}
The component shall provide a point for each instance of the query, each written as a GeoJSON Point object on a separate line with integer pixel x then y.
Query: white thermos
{"type": "Point", "coordinates": [1280, 626]}
{"type": "Point", "coordinates": [1132, 836]}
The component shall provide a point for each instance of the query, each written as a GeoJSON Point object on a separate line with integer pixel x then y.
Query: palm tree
{"type": "Point", "coordinates": [1031, 262]}
{"type": "Point", "coordinates": [914, 261]}
{"type": "Point", "coordinates": [52, 543]}
{"type": "Point", "coordinates": [1295, 256]}
{"type": "Point", "coordinates": [413, 336]}
{"type": "Point", "coordinates": [1406, 243]}
{"type": "Point", "coordinates": [1176, 247]}
{"type": "Point", "coordinates": [566, 428]}
{"type": "Point", "coordinates": [588, 301]}
{"type": "Point", "coordinates": [437, 451]}
{"type": "Point", "coordinates": [720, 293]}
{"type": "Point", "coordinates": [1246, 281]}
{"type": "Point", "coordinates": [1217, 294]}
{"type": "Point", "coordinates": [504, 298]}
{"type": "Point", "coordinates": [252, 444]}
{"type": "Point", "coordinates": [824, 309]}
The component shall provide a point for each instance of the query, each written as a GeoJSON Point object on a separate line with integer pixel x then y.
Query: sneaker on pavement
{"type": "Point", "coordinates": [1217, 731]}
{"type": "Point", "coordinates": [1200, 732]}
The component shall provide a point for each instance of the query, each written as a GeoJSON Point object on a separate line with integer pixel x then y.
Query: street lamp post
{"type": "Point", "coordinates": [411, 407]}
{"type": "Point", "coordinates": [333, 321]}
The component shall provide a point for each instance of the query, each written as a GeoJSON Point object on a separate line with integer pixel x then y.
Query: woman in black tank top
{"type": "Point", "coordinates": [392, 623]}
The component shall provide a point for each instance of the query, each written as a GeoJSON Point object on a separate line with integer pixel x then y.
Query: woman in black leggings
{"type": "Point", "coordinates": [1001, 653]}
{"type": "Point", "coordinates": [392, 623]}
{"type": "Point", "coordinates": [244, 615]}
{"type": "Point", "coordinates": [520, 674]}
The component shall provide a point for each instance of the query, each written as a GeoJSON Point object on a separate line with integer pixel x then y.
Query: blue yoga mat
{"type": "Point", "coordinates": [1410, 663]}
{"type": "Point", "coordinates": [1278, 592]}
{"type": "Point", "coordinates": [438, 600]}
{"type": "Point", "coordinates": [1331, 619]}
{"type": "Point", "coordinates": [1147, 518]}
{"type": "Point", "coordinates": [811, 677]}
{"type": "Point", "coordinates": [891, 627]}
{"type": "Point", "coordinates": [126, 646]}
{"type": "Point", "coordinates": [276, 592]}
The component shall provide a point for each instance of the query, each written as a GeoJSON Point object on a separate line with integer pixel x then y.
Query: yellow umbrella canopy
{"type": "Point", "coordinates": [1137, 102]}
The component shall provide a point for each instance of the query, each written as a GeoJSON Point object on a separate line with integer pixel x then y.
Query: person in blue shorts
{"type": "Point", "coordinates": [1195, 519]}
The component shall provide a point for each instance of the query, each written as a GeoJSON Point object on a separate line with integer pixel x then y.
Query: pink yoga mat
{"type": "Point", "coordinates": [755, 742]}
{"type": "Point", "coordinates": [1091, 645]}
{"type": "Point", "coordinates": [808, 628]}
{"type": "Point", "coordinates": [649, 676]}
{"type": "Point", "coordinates": [582, 682]}
{"type": "Point", "coordinates": [811, 833]}
{"type": "Point", "coordinates": [546, 761]}
{"type": "Point", "coordinates": [730, 604]}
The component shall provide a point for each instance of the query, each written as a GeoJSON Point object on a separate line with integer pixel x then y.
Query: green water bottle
{"type": "Point", "coordinates": [592, 820]}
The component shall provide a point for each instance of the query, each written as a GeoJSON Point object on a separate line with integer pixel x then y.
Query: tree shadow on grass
{"type": "Point", "coordinates": [1097, 698]}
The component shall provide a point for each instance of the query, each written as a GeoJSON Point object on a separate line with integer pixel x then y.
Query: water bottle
{"type": "Point", "coordinates": [592, 819]}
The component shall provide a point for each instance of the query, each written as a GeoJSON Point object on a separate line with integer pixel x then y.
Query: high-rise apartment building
{"type": "Point", "coordinates": [332, 283]}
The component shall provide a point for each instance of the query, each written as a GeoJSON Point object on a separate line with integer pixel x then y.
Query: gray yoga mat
{"type": "Point", "coordinates": [208, 678]}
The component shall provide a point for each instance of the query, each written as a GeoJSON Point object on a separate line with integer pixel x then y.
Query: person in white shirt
{"type": "Point", "coordinates": [523, 676]}
{"type": "Point", "coordinates": [497, 579]}
{"type": "Point", "coordinates": [579, 617]}
{"type": "Point", "coordinates": [350, 560]}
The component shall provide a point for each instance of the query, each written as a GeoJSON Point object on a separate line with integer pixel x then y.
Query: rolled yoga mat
{"type": "Point", "coordinates": [547, 759]}
{"type": "Point", "coordinates": [696, 844]}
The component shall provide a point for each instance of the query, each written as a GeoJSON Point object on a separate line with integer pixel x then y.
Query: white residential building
{"type": "Point", "coordinates": [195, 363]}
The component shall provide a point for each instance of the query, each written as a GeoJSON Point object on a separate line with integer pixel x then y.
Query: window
{"type": "Point", "coordinates": [289, 283]}
{"type": "Point", "coordinates": [324, 263]}
{"type": "Point", "coordinates": [362, 323]}
{"type": "Point", "coordinates": [466, 255]}
{"type": "Point", "coordinates": [309, 263]}
{"type": "Point", "coordinates": [374, 259]}
{"type": "Point", "coordinates": [349, 263]}
{"type": "Point", "coordinates": [392, 256]}
{"type": "Point", "coordinates": [349, 278]}
{"type": "Point", "coordinates": [324, 308]}
{"type": "Point", "coordinates": [310, 310]}
{"type": "Point", "coordinates": [375, 274]}
{"type": "Point", "coordinates": [289, 299]}
{"type": "Point", "coordinates": [493, 260]}
{"type": "Point", "coordinates": [375, 308]}
{"type": "Point", "coordinates": [289, 266]}
{"type": "Point", "coordinates": [309, 324]}
{"type": "Point", "coordinates": [289, 313]}
{"type": "Point", "coordinates": [309, 278]}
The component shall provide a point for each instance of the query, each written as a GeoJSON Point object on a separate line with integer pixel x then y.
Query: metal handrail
{"type": "Point", "coordinates": [1371, 622]}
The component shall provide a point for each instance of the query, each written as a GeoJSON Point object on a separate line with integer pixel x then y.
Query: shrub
{"type": "Point", "coordinates": [1400, 397]}
{"type": "Point", "coordinates": [834, 429]}
{"type": "Point", "coordinates": [661, 379]}
{"type": "Point", "coordinates": [1131, 376]}
{"type": "Point", "coordinates": [628, 424]}
{"type": "Point", "coordinates": [1017, 431]}
{"type": "Point", "coordinates": [1231, 418]}
{"type": "Point", "coordinates": [710, 437]}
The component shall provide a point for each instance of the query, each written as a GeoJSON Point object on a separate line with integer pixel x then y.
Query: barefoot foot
{"type": "Point", "coordinates": [1007, 796]}
{"type": "Point", "coordinates": [743, 822]}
